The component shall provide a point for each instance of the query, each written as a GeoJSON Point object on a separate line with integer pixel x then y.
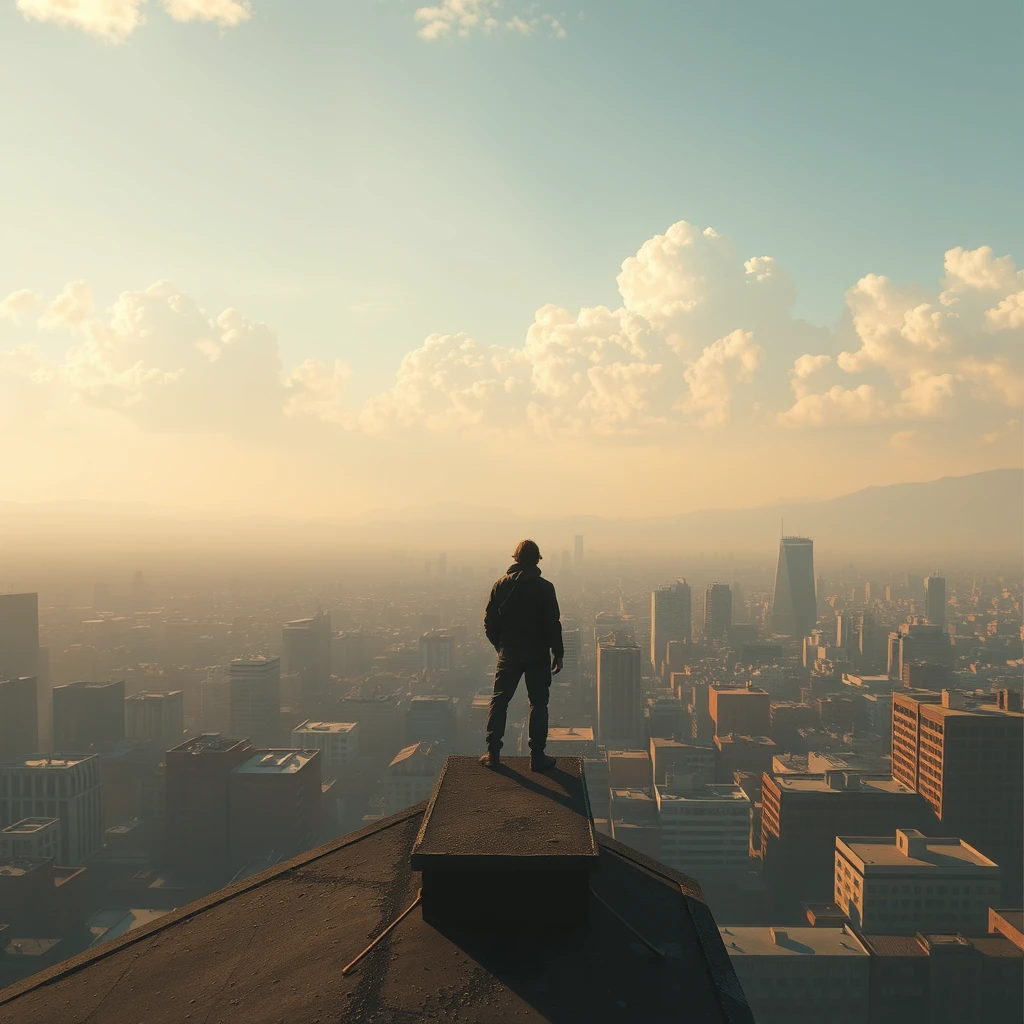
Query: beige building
{"type": "Point", "coordinates": [703, 827]}
{"type": "Point", "coordinates": [801, 975]}
{"type": "Point", "coordinates": [912, 883]}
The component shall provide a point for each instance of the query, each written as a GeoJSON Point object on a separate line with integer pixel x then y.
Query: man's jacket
{"type": "Point", "coordinates": [522, 613]}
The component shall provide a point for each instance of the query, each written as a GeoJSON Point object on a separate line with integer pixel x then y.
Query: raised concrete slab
{"type": "Point", "coordinates": [509, 835]}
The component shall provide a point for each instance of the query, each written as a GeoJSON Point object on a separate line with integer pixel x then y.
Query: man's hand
{"type": "Point", "coordinates": [556, 666]}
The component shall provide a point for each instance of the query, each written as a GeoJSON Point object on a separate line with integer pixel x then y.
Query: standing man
{"type": "Point", "coordinates": [523, 624]}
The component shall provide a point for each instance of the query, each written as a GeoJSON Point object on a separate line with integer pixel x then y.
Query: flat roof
{"type": "Point", "coordinates": [22, 865]}
{"type": "Point", "coordinates": [702, 793]}
{"type": "Point", "coordinates": [29, 825]}
{"type": "Point", "coordinates": [623, 793]}
{"type": "Point", "coordinates": [275, 762]}
{"type": "Point", "coordinates": [927, 700]}
{"type": "Point", "coordinates": [57, 763]}
{"type": "Point", "coordinates": [329, 727]}
{"type": "Point", "coordinates": [569, 733]}
{"type": "Point", "coordinates": [801, 941]}
{"type": "Point", "coordinates": [209, 742]}
{"type": "Point", "coordinates": [949, 854]}
{"type": "Point", "coordinates": [882, 784]}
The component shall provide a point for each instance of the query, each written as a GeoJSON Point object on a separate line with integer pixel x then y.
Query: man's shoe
{"type": "Point", "coordinates": [492, 759]}
{"type": "Point", "coordinates": [541, 763]}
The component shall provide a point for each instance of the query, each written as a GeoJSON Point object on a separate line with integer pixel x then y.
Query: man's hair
{"type": "Point", "coordinates": [527, 553]}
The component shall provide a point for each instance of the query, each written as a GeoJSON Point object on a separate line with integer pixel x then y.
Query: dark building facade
{"type": "Point", "coordinates": [19, 721]}
{"type": "Point", "coordinates": [88, 717]}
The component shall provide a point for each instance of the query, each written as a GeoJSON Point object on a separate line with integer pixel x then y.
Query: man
{"type": "Point", "coordinates": [523, 624]}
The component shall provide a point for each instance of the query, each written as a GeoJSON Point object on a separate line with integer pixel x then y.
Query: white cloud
{"type": "Point", "coordinates": [1008, 314]}
{"type": "Point", "coordinates": [805, 367]}
{"type": "Point", "coordinates": [70, 308]}
{"type": "Point", "coordinates": [836, 406]}
{"type": "Point", "coordinates": [115, 20]}
{"type": "Point", "coordinates": [463, 18]}
{"type": "Point", "coordinates": [19, 305]}
{"type": "Point", "coordinates": [713, 377]}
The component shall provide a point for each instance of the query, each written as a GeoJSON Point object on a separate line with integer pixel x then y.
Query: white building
{"type": "Point", "coordinates": [256, 700]}
{"type": "Point", "coordinates": [156, 716]}
{"type": "Point", "coordinates": [410, 777]}
{"type": "Point", "coordinates": [801, 975]}
{"type": "Point", "coordinates": [65, 788]}
{"type": "Point", "coordinates": [31, 837]}
{"type": "Point", "coordinates": [338, 743]}
{"type": "Point", "coordinates": [913, 883]}
{"type": "Point", "coordinates": [703, 827]}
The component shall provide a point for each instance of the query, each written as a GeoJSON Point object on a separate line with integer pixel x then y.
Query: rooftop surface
{"type": "Point", "coordinates": [275, 762]}
{"type": "Point", "coordinates": [796, 783]}
{"type": "Point", "coordinates": [326, 727]}
{"type": "Point", "coordinates": [208, 743]}
{"type": "Point", "coordinates": [27, 826]}
{"type": "Point", "coordinates": [58, 762]}
{"type": "Point", "coordinates": [802, 941]}
{"type": "Point", "coordinates": [951, 855]}
{"type": "Point", "coordinates": [272, 949]}
{"type": "Point", "coordinates": [922, 945]}
{"type": "Point", "coordinates": [733, 794]}
{"type": "Point", "coordinates": [570, 733]}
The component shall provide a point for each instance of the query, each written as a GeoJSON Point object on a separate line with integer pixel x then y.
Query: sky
{"type": "Point", "coordinates": [317, 258]}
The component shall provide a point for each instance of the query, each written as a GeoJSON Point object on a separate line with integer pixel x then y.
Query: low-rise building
{"type": "Point", "coordinates": [672, 757]}
{"type": "Point", "coordinates": [338, 743]}
{"type": "Point", "coordinates": [703, 826]}
{"type": "Point", "coordinates": [912, 883]}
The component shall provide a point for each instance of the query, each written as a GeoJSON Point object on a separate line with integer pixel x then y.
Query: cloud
{"type": "Point", "coordinates": [463, 18]}
{"type": "Point", "coordinates": [713, 377]}
{"type": "Point", "coordinates": [805, 367]}
{"type": "Point", "coordinates": [836, 406]}
{"type": "Point", "coordinates": [70, 308]}
{"type": "Point", "coordinates": [19, 305]}
{"type": "Point", "coordinates": [115, 20]}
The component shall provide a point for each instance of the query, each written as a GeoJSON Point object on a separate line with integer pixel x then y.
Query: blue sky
{"type": "Point", "coordinates": [324, 169]}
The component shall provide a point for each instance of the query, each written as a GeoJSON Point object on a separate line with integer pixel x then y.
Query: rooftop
{"type": "Point", "coordinates": [27, 826]}
{"type": "Point", "coordinates": [56, 762]}
{"type": "Point", "coordinates": [275, 762]}
{"type": "Point", "coordinates": [850, 782]}
{"type": "Point", "coordinates": [208, 743]}
{"type": "Point", "coordinates": [705, 793]}
{"type": "Point", "coordinates": [802, 941]}
{"type": "Point", "coordinates": [275, 946]}
{"type": "Point", "coordinates": [569, 734]}
{"type": "Point", "coordinates": [920, 853]}
{"type": "Point", "coordinates": [922, 945]}
{"type": "Point", "coordinates": [335, 727]}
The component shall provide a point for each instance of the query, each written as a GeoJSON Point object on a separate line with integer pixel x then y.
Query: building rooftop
{"type": "Point", "coordinates": [274, 947]}
{"type": "Point", "coordinates": [275, 762]}
{"type": "Point", "coordinates": [56, 762]}
{"type": "Point", "coordinates": [334, 727]}
{"type": "Point", "coordinates": [801, 941]}
{"type": "Point", "coordinates": [923, 944]}
{"type": "Point", "coordinates": [846, 783]}
{"type": "Point", "coordinates": [1009, 923]}
{"type": "Point", "coordinates": [156, 695]}
{"type": "Point", "coordinates": [27, 826]}
{"type": "Point", "coordinates": [917, 853]}
{"type": "Point", "coordinates": [208, 743]}
{"type": "Point", "coordinates": [932, 705]}
{"type": "Point", "coordinates": [569, 734]}
{"type": "Point", "coordinates": [706, 793]}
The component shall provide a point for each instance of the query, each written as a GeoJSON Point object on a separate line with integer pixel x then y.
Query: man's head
{"type": "Point", "coordinates": [527, 553]}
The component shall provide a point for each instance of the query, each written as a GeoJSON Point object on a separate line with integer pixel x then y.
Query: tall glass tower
{"type": "Point", "coordinates": [794, 609]}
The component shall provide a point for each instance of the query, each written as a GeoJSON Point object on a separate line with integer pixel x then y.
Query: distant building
{"type": "Point", "coordinates": [794, 607]}
{"type": "Point", "coordinates": [629, 769]}
{"type": "Point", "coordinates": [735, 753]}
{"type": "Point", "coordinates": [618, 693]}
{"type": "Point", "coordinates": [437, 651]}
{"type": "Point", "coordinates": [19, 718]}
{"type": "Point", "coordinates": [703, 827]}
{"type": "Point", "coordinates": [274, 803]}
{"type": "Point", "coordinates": [802, 815]}
{"type": "Point", "coordinates": [745, 711]}
{"type": "Point", "coordinates": [667, 717]}
{"type": "Point", "coordinates": [410, 778]}
{"type": "Point", "coordinates": [935, 600]}
{"type": "Point", "coordinates": [88, 717]}
{"type": "Point", "coordinates": [338, 743]}
{"type": "Point", "coordinates": [431, 717]}
{"type": "Point", "coordinates": [967, 762]}
{"type": "Point", "coordinates": [717, 610]}
{"type": "Point", "coordinates": [19, 635]}
{"type": "Point", "coordinates": [573, 651]}
{"type": "Point", "coordinates": [802, 975]}
{"type": "Point", "coordinates": [571, 741]}
{"type": "Point", "coordinates": [215, 705]}
{"type": "Point", "coordinates": [256, 700]}
{"type": "Point", "coordinates": [675, 758]}
{"type": "Point", "coordinates": [913, 883]}
{"type": "Point", "coordinates": [67, 788]}
{"type": "Point", "coordinates": [157, 717]}
{"type": "Point", "coordinates": [306, 649]}
{"type": "Point", "coordinates": [671, 619]}
{"type": "Point", "coordinates": [31, 837]}
{"type": "Point", "coordinates": [918, 642]}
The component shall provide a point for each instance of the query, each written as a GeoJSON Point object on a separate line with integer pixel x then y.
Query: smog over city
{"type": "Point", "coordinates": [511, 512]}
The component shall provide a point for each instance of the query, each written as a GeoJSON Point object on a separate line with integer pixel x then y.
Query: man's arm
{"type": "Point", "coordinates": [553, 624]}
{"type": "Point", "coordinates": [491, 619]}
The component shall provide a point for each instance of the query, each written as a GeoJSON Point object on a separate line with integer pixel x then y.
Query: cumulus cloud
{"type": "Point", "coordinates": [713, 377]}
{"type": "Point", "coordinates": [838, 405]}
{"type": "Point", "coordinates": [18, 305]}
{"type": "Point", "coordinates": [462, 18]}
{"type": "Point", "coordinates": [804, 368]}
{"type": "Point", "coordinates": [70, 308]}
{"type": "Point", "coordinates": [115, 20]}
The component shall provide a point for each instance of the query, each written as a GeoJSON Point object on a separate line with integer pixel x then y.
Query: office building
{"type": "Point", "coordinates": [306, 650]}
{"type": "Point", "coordinates": [935, 601]}
{"type": "Point", "coordinates": [802, 975]}
{"type": "Point", "coordinates": [914, 883]}
{"type": "Point", "coordinates": [215, 705]}
{"type": "Point", "coordinates": [255, 695]}
{"type": "Point", "coordinates": [802, 814]}
{"type": "Point", "coordinates": [381, 722]}
{"type": "Point", "coordinates": [338, 743]}
{"type": "Point", "coordinates": [437, 651]}
{"type": "Point", "coordinates": [750, 754]}
{"type": "Point", "coordinates": [744, 711]}
{"type": "Point", "coordinates": [573, 651]}
{"type": "Point", "coordinates": [410, 777]}
{"type": "Point", "coordinates": [32, 838]}
{"type": "Point", "coordinates": [618, 694]}
{"type": "Point", "coordinates": [671, 758]}
{"type": "Point", "coordinates": [197, 802]}
{"type": "Point", "coordinates": [717, 610]}
{"type": "Point", "coordinates": [671, 619]}
{"type": "Point", "coordinates": [88, 717]}
{"type": "Point", "coordinates": [633, 820]}
{"type": "Point", "coordinates": [967, 762]}
{"type": "Point", "coordinates": [629, 769]}
{"type": "Point", "coordinates": [158, 717]}
{"type": "Point", "coordinates": [794, 606]}
{"type": "Point", "coordinates": [67, 788]}
{"type": "Point", "coordinates": [274, 804]}
{"type": "Point", "coordinates": [19, 635]}
{"type": "Point", "coordinates": [918, 642]}
{"type": "Point", "coordinates": [19, 718]}
{"type": "Point", "coordinates": [667, 717]}
{"type": "Point", "coordinates": [703, 827]}
{"type": "Point", "coordinates": [431, 718]}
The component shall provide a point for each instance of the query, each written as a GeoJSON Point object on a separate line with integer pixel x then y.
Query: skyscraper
{"type": "Point", "coordinates": [306, 649]}
{"type": "Point", "coordinates": [935, 600]}
{"type": "Point", "coordinates": [88, 717]}
{"type": "Point", "coordinates": [19, 727]}
{"type": "Point", "coordinates": [670, 618]}
{"type": "Point", "coordinates": [794, 610]}
{"type": "Point", "coordinates": [19, 635]}
{"type": "Point", "coordinates": [717, 609]}
{"type": "Point", "coordinates": [157, 717]}
{"type": "Point", "coordinates": [256, 700]}
{"type": "Point", "coordinates": [618, 693]}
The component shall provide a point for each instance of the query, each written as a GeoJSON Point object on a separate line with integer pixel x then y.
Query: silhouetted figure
{"type": "Point", "coordinates": [523, 624]}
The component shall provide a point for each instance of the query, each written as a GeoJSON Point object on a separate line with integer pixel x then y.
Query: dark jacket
{"type": "Point", "coordinates": [522, 613]}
